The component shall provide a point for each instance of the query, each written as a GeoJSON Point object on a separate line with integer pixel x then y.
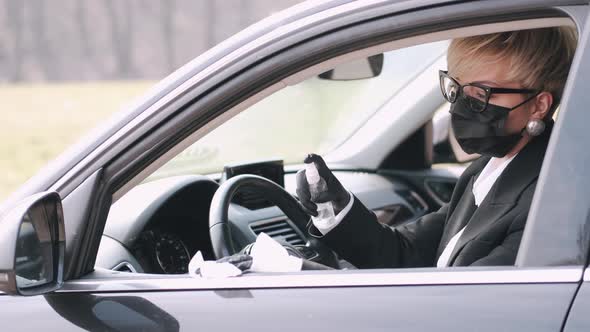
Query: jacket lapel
{"type": "Point", "coordinates": [462, 210]}
{"type": "Point", "coordinates": [504, 194]}
{"type": "Point", "coordinates": [483, 217]}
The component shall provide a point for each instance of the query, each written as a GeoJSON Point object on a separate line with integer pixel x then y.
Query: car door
{"type": "Point", "coordinates": [571, 175]}
{"type": "Point", "coordinates": [529, 296]}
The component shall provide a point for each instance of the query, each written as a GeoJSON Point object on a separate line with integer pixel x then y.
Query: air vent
{"type": "Point", "coordinates": [280, 230]}
{"type": "Point", "coordinates": [251, 199]}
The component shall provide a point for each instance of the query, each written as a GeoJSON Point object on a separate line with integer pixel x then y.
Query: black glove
{"type": "Point", "coordinates": [239, 260]}
{"type": "Point", "coordinates": [243, 260]}
{"type": "Point", "coordinates": [335, 192]}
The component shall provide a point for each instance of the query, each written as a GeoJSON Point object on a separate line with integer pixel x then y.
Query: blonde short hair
{"type": "Point", "coordinates": [538, 59]}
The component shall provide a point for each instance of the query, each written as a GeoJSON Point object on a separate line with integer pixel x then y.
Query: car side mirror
{"type": "Point", "coordinates": [33, 238]}
{"type": "Point", "coordinates": [356, 70]}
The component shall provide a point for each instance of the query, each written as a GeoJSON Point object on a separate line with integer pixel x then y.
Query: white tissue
{"type": "Point", "coordinates": [198, 267]}
{"type": "Point", "coordinates": [267, 256]}
{"type": "Point", "coordinates": [270, 256]}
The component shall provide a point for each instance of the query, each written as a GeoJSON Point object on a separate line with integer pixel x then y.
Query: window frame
{"type": "Point", "coordinates": [124, 165]}
{"type": "Point", "coordinates": [105, 282]}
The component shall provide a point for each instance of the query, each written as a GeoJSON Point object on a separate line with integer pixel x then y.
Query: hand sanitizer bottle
{"type": "Point", "coordinates": [317, 184]}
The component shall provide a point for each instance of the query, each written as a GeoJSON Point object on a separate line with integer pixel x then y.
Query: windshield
{"type": "Point", "coordinates": [315, 115]}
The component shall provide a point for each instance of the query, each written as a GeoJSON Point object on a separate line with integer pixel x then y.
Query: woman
{"type": "Point", "coordinates": [503, 89]}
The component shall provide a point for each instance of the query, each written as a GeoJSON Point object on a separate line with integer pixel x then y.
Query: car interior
{"type": "Point", "coordinates": [376, 115]}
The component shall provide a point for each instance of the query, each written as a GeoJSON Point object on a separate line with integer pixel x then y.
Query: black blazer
{"type": "Point", "coordinates": [492, 235]}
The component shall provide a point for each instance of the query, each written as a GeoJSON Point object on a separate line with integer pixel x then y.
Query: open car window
{"type": "Point", "coordinates": [315, 115]}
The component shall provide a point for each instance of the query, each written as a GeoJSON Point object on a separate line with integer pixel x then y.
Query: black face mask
{"type": "Point", "coordinates": [482, 132]}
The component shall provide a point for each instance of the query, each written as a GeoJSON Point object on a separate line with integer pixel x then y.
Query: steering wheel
{"type": "Point", "coordinates": [219, 227]}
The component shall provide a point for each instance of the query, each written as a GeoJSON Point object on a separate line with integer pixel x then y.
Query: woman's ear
{"type": "Point", "coordinates": [543, 103]}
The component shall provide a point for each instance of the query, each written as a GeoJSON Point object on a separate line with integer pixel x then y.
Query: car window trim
{"type": "Point", "coordinates": [309, 279]}
{"type": "Point", "coordinates": [130, 161]}
{"type": "Point", "coordinates": [564, 172]}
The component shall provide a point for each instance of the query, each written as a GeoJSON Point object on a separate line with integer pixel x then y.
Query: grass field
{"type": "Point", "coordinates": [37, 122]}
{"type": "Point", "coordinates": [40, 121]}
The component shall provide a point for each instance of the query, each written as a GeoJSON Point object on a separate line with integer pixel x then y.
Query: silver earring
{"type": "Point", "coordinates": [535, 127]}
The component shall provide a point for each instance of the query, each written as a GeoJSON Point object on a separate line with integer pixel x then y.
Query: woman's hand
{"type": "Point", "coordinates": [335, 192]}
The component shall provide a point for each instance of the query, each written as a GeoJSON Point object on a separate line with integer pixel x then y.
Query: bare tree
{"type": "Point", "coordinates": [115, 39]}
{"type": "Point", "coordinates": [43, 52]}
{"type": "Point", "coordinates": [85, 40]}
{"type": "Point", "coordinates": [122, 36]}
{"type": "Point", "coordinates": [244, 8]}
{"type": "Point", "coordinates": [210, 14]}
{"type": "Point", "coordinates": [14, 18]}
{"type": "Point", "coordinates": [167, 19]}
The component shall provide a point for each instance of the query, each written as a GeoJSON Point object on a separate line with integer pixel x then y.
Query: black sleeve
{"type": "Point", "coordinates": [366, 243]}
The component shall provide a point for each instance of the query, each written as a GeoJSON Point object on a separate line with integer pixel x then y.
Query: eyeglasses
{"type": "Point", "coordinates": [479, 94]}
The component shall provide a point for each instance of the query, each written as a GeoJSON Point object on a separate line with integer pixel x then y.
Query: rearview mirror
{"type": "Point", "coordinates": [33, 241]}
{"type": "Point", "coordinates": [356, 70]}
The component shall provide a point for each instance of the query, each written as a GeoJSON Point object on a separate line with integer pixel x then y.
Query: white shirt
{"type": "Point", "coordinates": [487, 178]}
{"type": "Point", "coordinates": [481, 188]}
{"type": "Point", "coordinates": [328, 225]}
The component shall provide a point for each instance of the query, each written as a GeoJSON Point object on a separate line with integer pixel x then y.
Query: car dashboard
{"type": "Point", "coordinates": [158, 226]}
